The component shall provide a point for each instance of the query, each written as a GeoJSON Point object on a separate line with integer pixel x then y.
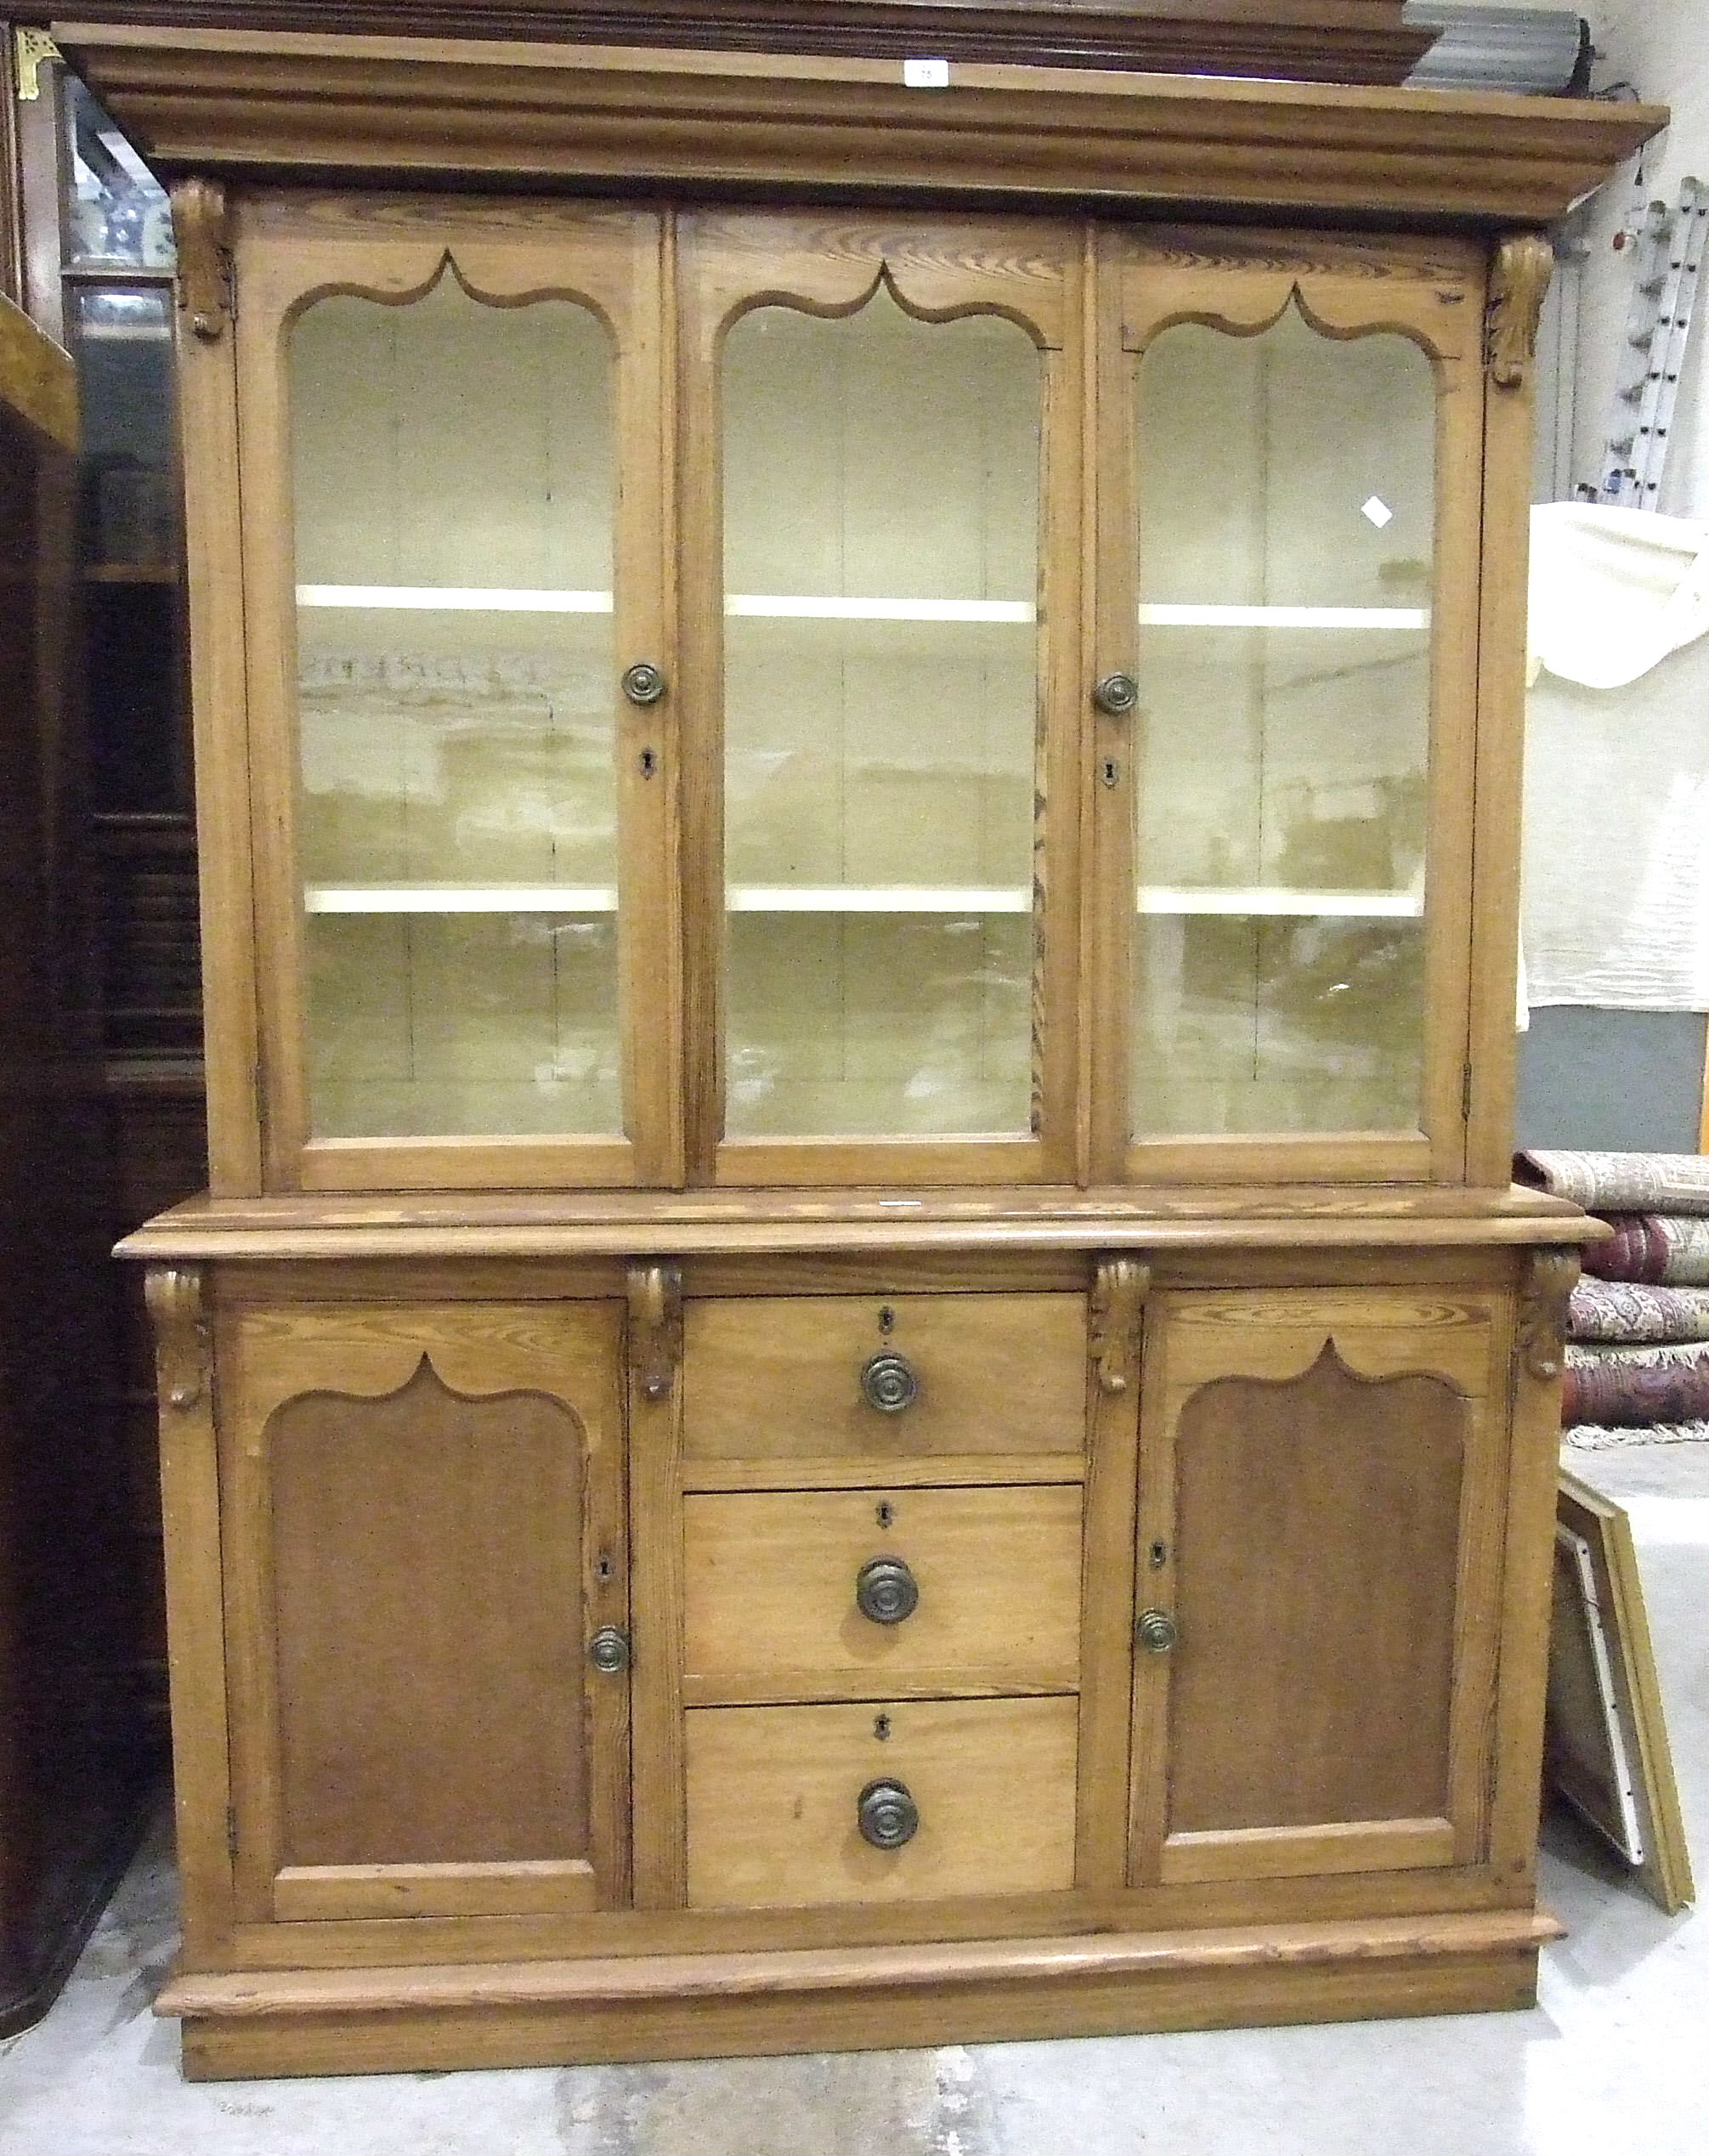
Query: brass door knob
{"type": "Point", "coordinates": [1156, 1631]}
{"type": "Point", "coordinates": [890, 1383]}
{"type": "Point", "coordinates": [886, 1591]}
{"type": "Point", "coordinates": [643, 683]}
{"type": "Point", "coordinates": [608, 1650]}
{"type": "Point", "coordinates": [888, 1816]}
{"type": "Point", "coordinates": [1117, 694]}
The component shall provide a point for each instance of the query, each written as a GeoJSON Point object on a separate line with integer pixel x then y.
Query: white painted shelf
{"type": "Point", "coordinates": [445, 599]}
{"type": "Point", "coordinates": [459, 899]}
{"type": "Point", "coordinates": [1270, 898]}
{"type": "Point", "coordinates": [884, 898]}
{"type": "Point", "coordinates": [837, 898]}
{"type": "Point", "coordinates": [752, 605]}
{"type": "Point", "coordinates": [1186, 617]}
{"type": "Point", "coordinates": [566, 899]}
{"type": "Point", "coordinates": [787, 607]}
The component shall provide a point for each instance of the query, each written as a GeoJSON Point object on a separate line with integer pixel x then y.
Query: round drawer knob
{"type": "Point", "coordinates": [1117, 694]}
{"type": "Point", "coordinates": [1156, 1631]}
{"type": "Point", "coordinates": [886, 1591]}
{"type": "Point", "coordinates": [888, 1815]}
{"type": "Point", "coordinates": [608, 1650]}
{"type": "Point", "coordinates": [889, 1384]}
{"type": "Point", "coordinates": [643, 683]}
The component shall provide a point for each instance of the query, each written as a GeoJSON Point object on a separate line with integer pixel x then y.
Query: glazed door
{"type": "Point", "coordinates": [1319, 1554]}
{"type": "Point", "coordinates": [459, 703]}
{"type": "Point", "coordinates": [881, 474]}
{"type": "Point", "coordinates": [1292, 431]}
{"type": "Point", "coordinates": [423, 1528]}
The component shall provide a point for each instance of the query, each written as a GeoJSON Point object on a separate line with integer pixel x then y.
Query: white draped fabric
{"type": "Point", "coordinates": [1616, 835]}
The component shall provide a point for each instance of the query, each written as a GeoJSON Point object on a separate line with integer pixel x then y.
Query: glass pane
{"type": "Point", "coordinates": [458, 822]}
{"type": "Point", "coordinates": [119, 212]}
{"type": "Point", "coordinates": [881, 559]}
{"type": "Point", "coordinates": [121, 338]}
{"type": "Point", "coordinates": [1287, 504]}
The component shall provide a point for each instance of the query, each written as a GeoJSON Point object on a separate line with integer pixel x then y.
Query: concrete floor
{"type": "Point", "coordinates": [1613, 2062]}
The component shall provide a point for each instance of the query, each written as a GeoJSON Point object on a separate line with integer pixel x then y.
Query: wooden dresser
{"type": "Point", "coordinates": [860, 1369]}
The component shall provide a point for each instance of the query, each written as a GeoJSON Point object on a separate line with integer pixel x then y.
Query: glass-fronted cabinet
{"type": "Point", "coordinates": [1054, 767]}
{"type": "Point", "coordinates": [858, 808]}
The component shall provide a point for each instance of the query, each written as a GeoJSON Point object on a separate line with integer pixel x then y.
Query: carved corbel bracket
{"type": "Point", "coordinates": [183, 1354]}
{"type": "Point", "coordinates": [1523, 264]}
{"type": "Point", "coordinates": [1542, 1312]}
{"type": "Point", "coordinates": [1118, 1303]}
{"type": "Point", "coordinates": [655, 1327]}
{"type": "Point", "coordinates": [206, 281]}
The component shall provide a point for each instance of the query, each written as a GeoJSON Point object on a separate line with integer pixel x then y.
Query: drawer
{"type": "Point", "coordinates": [774, 1797]}
{"type": "Point", "coordinates": [778, 1378]}
{"type": "Point", "coordinates": [771, 1586]}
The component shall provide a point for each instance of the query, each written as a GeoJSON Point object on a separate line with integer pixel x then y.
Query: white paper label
{"type": "Point", "coordinates": [925, 74]}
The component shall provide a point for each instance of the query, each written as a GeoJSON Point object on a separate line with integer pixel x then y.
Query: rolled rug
{"type": "Point", "coordinates": [1620, 1182]}
{"type": "Point", "coordinates": [1619, 1388]}
{"type": "Point", "coordinates": [1627, 1313]}
{"type": "Point", "coordinates": [1663, 1249]}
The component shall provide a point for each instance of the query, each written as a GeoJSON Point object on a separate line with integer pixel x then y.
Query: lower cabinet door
{"type": "Point", "coordinates": [423, 1529]}
{"type": "Point", "coordinates": [1320, 1517]}
{"type": "Point", "coordinates": [794, 1805]}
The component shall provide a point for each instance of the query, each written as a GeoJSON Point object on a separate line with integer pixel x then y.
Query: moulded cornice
{"type": "Point", "coordinates": [225, 104]}
{"type": "Point", "coordinates": [1313, 40]}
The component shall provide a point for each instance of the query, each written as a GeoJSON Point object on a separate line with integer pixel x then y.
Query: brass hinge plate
{"type": "Point", "coordinates": [31, 50]}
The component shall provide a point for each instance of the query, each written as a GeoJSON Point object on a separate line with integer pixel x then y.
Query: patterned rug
{"type": "Point", "coordinates": [1665, 1249]}
{"type": "Point", "coordinates": [1626, 1313]}
{"type": "Point", "coordinates": [1636, 1385]}
{"type": "Point", "coordinates": [1620, 1182]}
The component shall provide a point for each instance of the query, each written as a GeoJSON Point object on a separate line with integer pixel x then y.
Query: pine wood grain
{"type": "Point", "coordinates": [780, 1377]}
{"type": "Point", "coordinates": [228, 101]}
{"type": "Point", "coordinates": [772, 1794]}
{"type": "Point", "coordinates": [770, 1609]}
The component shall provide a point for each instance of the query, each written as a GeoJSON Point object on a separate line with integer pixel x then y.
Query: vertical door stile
{"type": "Point", "coordinates": [1154, 1579]}
{"type": "Point", "coordinates": [1062, 841]}
{"type": "Point", "coordinates": [271, 278]}
{"type": "Point", "coordinates": [648, 735]}
{"type": "Point", "coordinates": [606, 1577]}
{"type": "Point", "coordinates": [699, 586]}
{"type": "Point", "coordinates": [1115, 1367]}
{"type": "Point", "coordinates": [213, 541]}
{"type": "Point", "coordinates": [654, 1423]}
{"type": "Point", "coordinates": [1448, 322]}
{"type": "Point", "coordinates": [1111, 770]}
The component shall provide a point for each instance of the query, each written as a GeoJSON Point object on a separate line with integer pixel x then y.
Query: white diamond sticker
{"type": "Point", "coordinates": [925, 74]}
{"type": "Point", "coordinates": [1377, 510]}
